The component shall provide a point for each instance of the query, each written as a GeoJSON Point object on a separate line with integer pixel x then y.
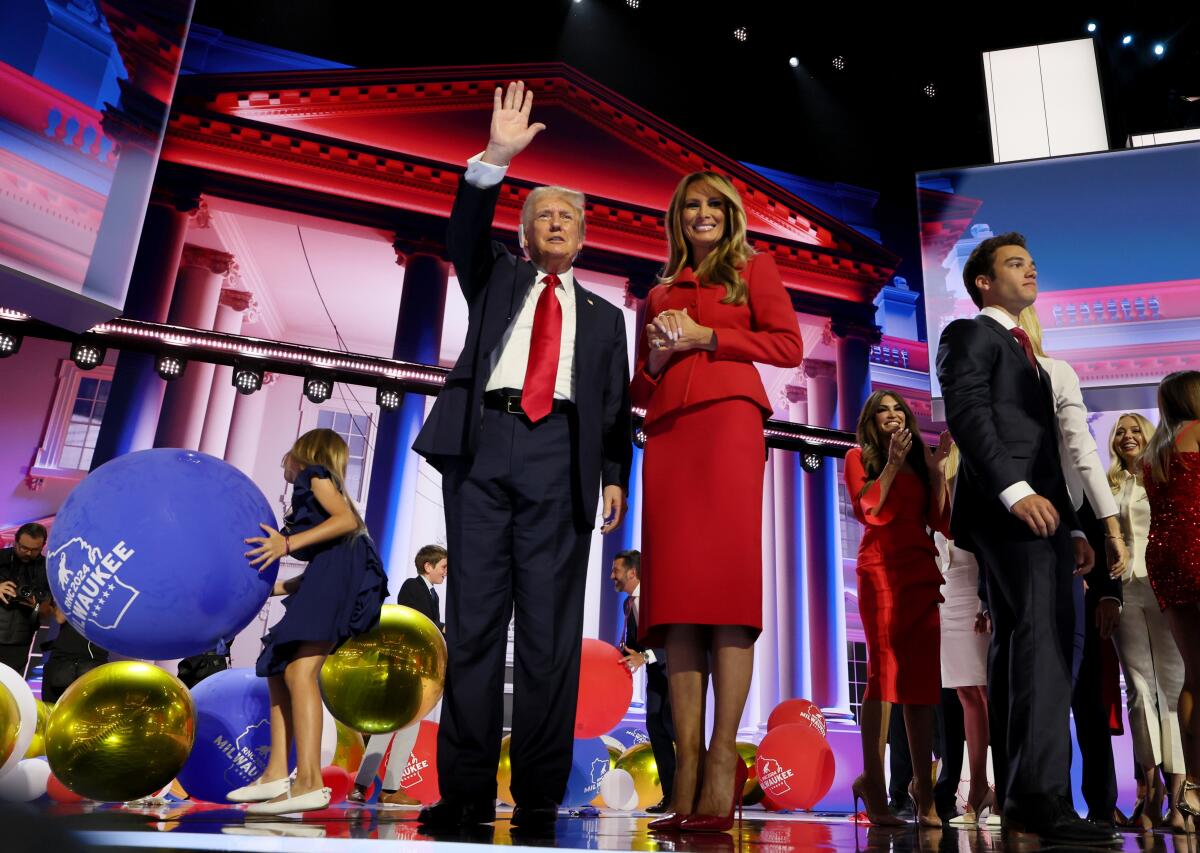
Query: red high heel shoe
{"type": "Point", "coordinates": [721, 823]}
{"type": "Point", "coordinates": [669, 823]}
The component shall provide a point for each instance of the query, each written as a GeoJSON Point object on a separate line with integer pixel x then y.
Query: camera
{"type": "Point", "coordinates": [26, 592]}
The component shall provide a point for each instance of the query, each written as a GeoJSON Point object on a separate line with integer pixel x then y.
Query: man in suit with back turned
{"type": "Point", "coordinates": [533, 421]}
{"type": "Point", "coordinates": [1012, 509]}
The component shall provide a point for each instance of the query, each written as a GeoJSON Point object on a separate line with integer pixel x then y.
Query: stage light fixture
{"type": "Point", "coordinates": [810, 461]}
{"type": "Point", "coordinates": [1092, 26]}
{"type": "Point", "coordinates": [389, 397]}
{"type": "Point", "coordinates": [1160, 49]}
{"type": "Point", "coordinates": [794, 62]}
{"type": "Point", "coordinates": [10, 344]}
{"type": "Point", "coordinates": [839, 63]}
{"type": "Point", "coordinates": [741, 34]}
{"type": "Point", "coordinates": [318, 386]}
{"type": "Point", "coordinates": [247, 379]}
{"type": "Point", "coordinates": [1127, 40]}
{"type": "Point", "coordinates": [169, 366]}
{"type": "Point", "coordinates": [930, 90]}
{"type": "Point", "coordinates": [87, 354]}
{"type": "Point", "coordinates": [633, 4]}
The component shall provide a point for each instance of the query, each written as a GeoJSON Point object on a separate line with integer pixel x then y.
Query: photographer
{"type": "Point", "coordinates": [24, 595]}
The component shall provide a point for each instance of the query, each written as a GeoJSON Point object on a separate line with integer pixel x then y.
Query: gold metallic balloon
{"type": "Point", "coordinates": [638, 762]}
{"type": "Point", "coordinates": [37, 746]}
{"type": "Point", "coordinates": [10, 723]}
{"type": "Point", "coordinates": [350, 749]}
{"type": "Point", "coordinates": [121, 731]}
{"type": "Point", "coordinates": [389, 677]}
{"type": "Point", "coordinates": [752, 794]}
{"type": "Point", "coordinates": [504, 773]}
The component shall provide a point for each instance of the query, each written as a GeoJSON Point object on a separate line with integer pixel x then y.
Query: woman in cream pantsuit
{"type": "Point", "coordinates": [1151, 660]}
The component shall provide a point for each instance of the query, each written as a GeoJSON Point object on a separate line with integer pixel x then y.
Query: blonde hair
{"type": "Point", "coordinates": [1178, 404]}
{"type": "Point", "coordinates": [1117, 468]}
{"type": "Point", "coordinates": [1029, 321]}
{"type": "Point", "coordinates": [724, 263]}
{"type": "Point", "coordinates": [576, 199]}
{"type": "Point", "coordinates": [326, 448]}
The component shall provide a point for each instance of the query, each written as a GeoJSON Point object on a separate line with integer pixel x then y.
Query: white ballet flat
{"type": "Point", "coordinates": [260, 792]}
{"type": "Point", "coordinates": [310, 802]}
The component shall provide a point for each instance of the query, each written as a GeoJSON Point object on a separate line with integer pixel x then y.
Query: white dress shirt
{"type": "Point", "coordinates": [510, 359]}
{"type": "Point", "coordinates": [1135, 523]}
{"type": "Point", "coordinates": [1011, 495]}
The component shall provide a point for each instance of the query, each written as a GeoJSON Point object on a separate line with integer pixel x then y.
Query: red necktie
{"type": "Point", "coordinates": [1023, 340]}
{"type": "Point", "coordinates": [537, 394]}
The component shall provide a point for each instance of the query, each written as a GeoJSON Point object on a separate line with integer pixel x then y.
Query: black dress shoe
{"type": "Point", "coordinates": [445, 814]}
{"type": "Point", "coordinates": [1051, 821]}
{"type": "Point", "coordinates": [659, 808]}
{"type": "Point", "coordinates": [535, 817]}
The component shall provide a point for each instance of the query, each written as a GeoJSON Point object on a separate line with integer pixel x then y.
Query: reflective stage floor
{"type": "Point", "coordinates": [186, 826]}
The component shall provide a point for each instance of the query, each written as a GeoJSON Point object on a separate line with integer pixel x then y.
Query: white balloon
{"type": "Point", "coordinates": [25, 782]}
{"type": "Point", "coordinates": [27, 705]}
{"type": "Point", "coordinates": [328, 736]}
{"type": "Point", "coordinates": [618, 791]}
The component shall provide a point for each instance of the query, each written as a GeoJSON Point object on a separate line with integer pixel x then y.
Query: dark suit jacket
{"type": "Point", "coordinates": [495, 283]}
{"type": "Point", "coordinates": [415, 594]}
{"type": "Point", "coordinates": [1001, 414]}
{"type": "Point", "coordinates": [656, 670]}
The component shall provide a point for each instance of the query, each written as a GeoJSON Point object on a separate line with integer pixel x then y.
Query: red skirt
{"type": "Point", "coordinates": [702, 495]}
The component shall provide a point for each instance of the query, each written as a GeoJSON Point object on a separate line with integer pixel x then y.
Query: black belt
{"type": "Point", "coordinates": [509, 400]}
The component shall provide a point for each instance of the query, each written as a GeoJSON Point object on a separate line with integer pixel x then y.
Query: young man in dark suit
{"type": "Point", "coordinates": [626, 576]}
{"type": "Point", "coordinates": [533, 421]}
{"type": "Point", "coordinates": [1012, 509]}
{"type": "Point", "coordinates": [420, 592]}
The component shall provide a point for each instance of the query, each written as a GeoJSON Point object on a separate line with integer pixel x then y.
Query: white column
{"type": "Point", "coordinates": [231, 310]}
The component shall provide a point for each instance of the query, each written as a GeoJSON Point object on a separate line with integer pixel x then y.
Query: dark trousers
{"type": "Point", "coordinates": [15, 655]}
{"type": "Point", "coordinates": [60, 672]}
{"type": "Point", "coordinates": [660, 726]}
{"type": "Point", "coordinates": [1099, 780]}
{"type": "Point", "coordinates": [1029, 666]}
{"type": "Point", "coordinates": [953, 734]}
{"type": "Point", "coordinates": [518, 551]}
{"type": "Point", "coordinates": [900, 763]}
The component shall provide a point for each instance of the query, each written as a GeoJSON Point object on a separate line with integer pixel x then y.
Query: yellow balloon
{"type": "Point", "coordinates": [121, 731]}
{"type": "Point", "coordinates": [389, 677]}
{"type": "Point", "coordinates": [504, 773]}
{"type": "Point", "coordinates": [752, 794]}
{"type": "Point", "coordinates": [37, 746]}
{"type": "Point", "coordinates": [10, 723]}
{"type": "Point", "coordinates": [350, 749]}
{"type": "Point", "coordinates": [638, 762]}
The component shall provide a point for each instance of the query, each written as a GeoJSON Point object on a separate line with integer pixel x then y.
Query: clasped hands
{"type": "Point", "coordinates": [674, 331]}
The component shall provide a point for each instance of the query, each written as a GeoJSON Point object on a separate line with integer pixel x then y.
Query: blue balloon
{"type": "Point", "coordinates": [146, 555]}
{"type": "Point", "coordinates": [589, 763]}
{"type": "Point", "coordinates": [628, 736]}
{"type": "Point", "coordinates": [233, 734]}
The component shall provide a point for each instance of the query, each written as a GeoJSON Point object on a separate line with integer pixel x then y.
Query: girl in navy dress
{"type": "Point", "coordinates": [339, 595]}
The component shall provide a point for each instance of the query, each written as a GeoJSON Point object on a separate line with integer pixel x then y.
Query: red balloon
{"type": "Point", "coordinates": [797, 711]}
{"type": "Point", "coordinates": [605, 690]}
{"type": "Point", "coordinates": [338, 781]}
{"type": "Point", "coordinates": [59, 792]}
{"type": "Point", "coordinates": [420, 779]}
{"type": "Point", "coordinates": [795, 766]}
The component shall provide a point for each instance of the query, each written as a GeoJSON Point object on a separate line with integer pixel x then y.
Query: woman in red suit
{"type": "Point", "coordinates": [898, 496]}
{"type": "Point", "coordinates": [718, 309]}
{"type": "Point", "coordinates": [1172, 477]}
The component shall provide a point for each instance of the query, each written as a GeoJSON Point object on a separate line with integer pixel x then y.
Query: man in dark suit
{"type": "Point", "coordinates": [627, 578]}
{"type": "Point", "coordinates": [420, 593]}
{"type": "Point", "coordinates": [1012, 509]}
{"type": "Point", "coordinates": [533, 420]}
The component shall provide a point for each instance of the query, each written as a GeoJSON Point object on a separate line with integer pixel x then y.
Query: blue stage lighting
{"type": "Point", "coordinates": [1127, 40]}
{"type": "Point", "coordinates": [1159, 49]}
{"type": "Point", "coordinates": [1091, 27]}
